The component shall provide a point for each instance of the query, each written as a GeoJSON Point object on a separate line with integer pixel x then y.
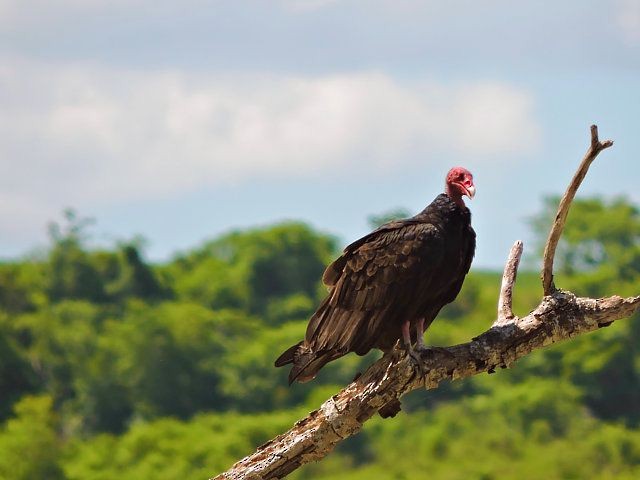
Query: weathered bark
{"type": "Point", "coordinates": [559, 316]}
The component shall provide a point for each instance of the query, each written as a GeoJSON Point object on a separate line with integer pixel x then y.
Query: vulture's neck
{"type": "Point", "coordinates": [456, 197]}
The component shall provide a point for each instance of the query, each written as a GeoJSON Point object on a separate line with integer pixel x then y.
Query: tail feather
{"type": "Point", "coordinates": [287, 356]}
{"type": "Point", "coordinates": [306, 362]}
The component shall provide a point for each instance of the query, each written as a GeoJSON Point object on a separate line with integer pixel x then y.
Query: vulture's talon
{"type": "Point", "coordinates": [415, 354]}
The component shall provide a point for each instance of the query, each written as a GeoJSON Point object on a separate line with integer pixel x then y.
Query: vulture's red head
{"type": "Point", "coordinates": [459, 182]}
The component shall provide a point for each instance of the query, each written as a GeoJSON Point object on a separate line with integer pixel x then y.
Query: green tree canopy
{"type": "Point", "coordinates": [254, 268]}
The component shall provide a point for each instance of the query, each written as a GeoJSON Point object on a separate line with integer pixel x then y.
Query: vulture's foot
{"type": "Point", "coordinates": [415, 354]}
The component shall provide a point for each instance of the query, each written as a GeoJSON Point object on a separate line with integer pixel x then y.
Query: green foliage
{"type": "Point", "coordinates": [600, 255]}
{"type": "Point", "coordinates": [74, 273]}
{"type": "Point", "coordinates": [167, 357]}
{"type": "Point", "coordinates": [169, 449]}
{"type": "Point", "coordinates": [29, 446]}
{"type": "Point", "coordinates": [58, 341]}
{"type": "Point", "coordinates": [17, 378]}
{"type": "Point", "coordinates": [71, 274]}
{"type": "Point", "coordinates": [255, 269]}
{"type": "Point", "coordinates": [21, 286]}
{"type": "Point", "coordinates": [132, 277]}
{"type": "Point", "coordinates": [111, 367]}
{"type": "Point", "coordinates": [249, 377]}
{"type": "Point", "coordinates": [600, 246]}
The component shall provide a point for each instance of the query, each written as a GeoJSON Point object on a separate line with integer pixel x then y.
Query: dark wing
{"type": "Point", "coordinates": [380, 278]}
{"type": "Point", "coordinates": [334, 271]}
{"type": "Point", "coordinates": [468, 249]}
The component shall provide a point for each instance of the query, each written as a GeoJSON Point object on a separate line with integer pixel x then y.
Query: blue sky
{"type": "Point", "coordinates": [182, 120]}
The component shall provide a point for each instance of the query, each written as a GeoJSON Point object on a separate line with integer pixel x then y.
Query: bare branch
{"type": "Point", "coordinates": [505, 301]}
{"type": "Point", "coordinates": [559, 316]}
{"type": "Point", "coordinates": [563, 209]}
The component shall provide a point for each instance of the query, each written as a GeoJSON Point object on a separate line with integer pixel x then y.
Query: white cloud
{"type": "Point", "coordinates": [86, 135]}
{"type": "Point", "coordinates": [35, 11]}
{"type": "Point", "coordinates": [307, 5]}
{"type": "Point", "coordinates": [628, 19]}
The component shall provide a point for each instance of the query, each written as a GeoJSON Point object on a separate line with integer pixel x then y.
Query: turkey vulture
{"type": "Point", "coordinates": [391, 283]}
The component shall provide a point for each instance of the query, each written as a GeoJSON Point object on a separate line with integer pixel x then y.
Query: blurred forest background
{"type": "Point", "coordinates": [111, 367]}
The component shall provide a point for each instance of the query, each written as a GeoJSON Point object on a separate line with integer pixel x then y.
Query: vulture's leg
{"type": "Point", "coordinates": [406, 337]}
{"type": "Point", "coordinates": [420, 334]}
{"type": "Point", "coordinates": [421, 347]}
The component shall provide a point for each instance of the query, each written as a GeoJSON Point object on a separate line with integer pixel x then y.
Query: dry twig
{"type": "Point", "coordinates": [595, 148]}
{"type": "Point", "coordinates": [505, 301]}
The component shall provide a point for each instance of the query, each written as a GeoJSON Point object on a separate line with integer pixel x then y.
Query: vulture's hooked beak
{"type": "Point", "coordinates": [471, 191]}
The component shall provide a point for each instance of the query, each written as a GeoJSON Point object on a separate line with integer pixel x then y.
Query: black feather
{"type": "Point", "coordinates": [287, 356]}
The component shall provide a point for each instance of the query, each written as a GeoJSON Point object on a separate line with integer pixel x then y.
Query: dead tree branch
{"type": "Point", "coordinates": [559, 316]}
{"type": "Point", "coordinates": [505, 301]}
{"type": "Point", "coordinates": [595, 148]}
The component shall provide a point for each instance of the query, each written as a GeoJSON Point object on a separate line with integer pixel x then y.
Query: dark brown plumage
{"type": "Point", "coordinates": [391, 283]}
